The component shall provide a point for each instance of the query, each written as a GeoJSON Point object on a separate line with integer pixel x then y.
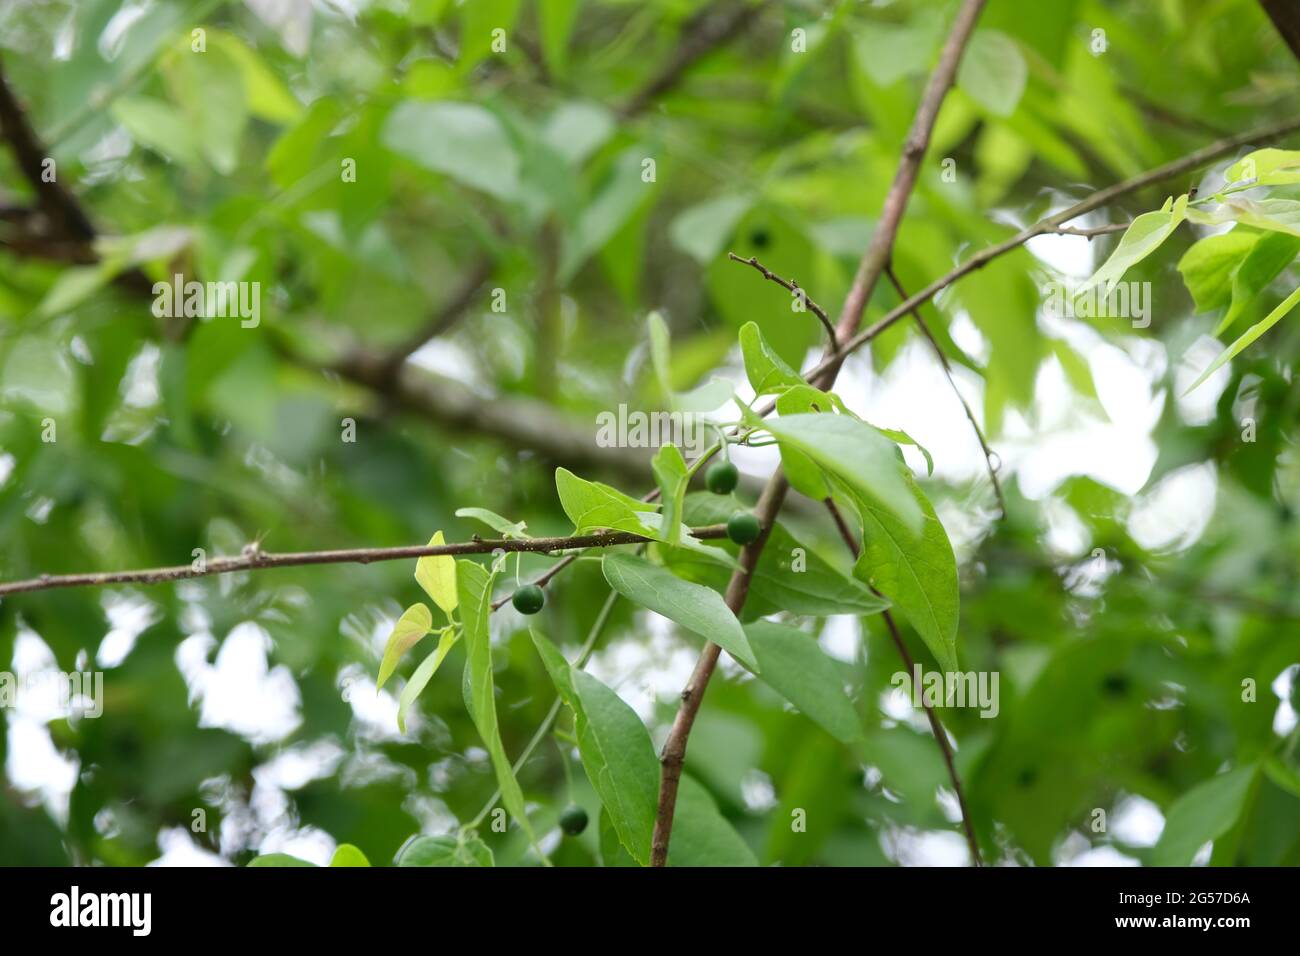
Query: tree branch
{"type": "Point", "coordinates": [1052, 223]}
{"type": "Point", "coordinates": [254, 559]}
{"type": "Point", "coordinates": [875, 258]}
{"type": "Point", "coordinates": [447, 316]}
{"type": "Point", "coordinates": [792, 287]}
{"type": "Point", "coordinates": [940, 736]}
{"type": "Point", "coordinates": [66, 216]}
{"type": "Point", "coordinates": [1285, 15]}
{"type": "Point", "coordinates": [703, 33]}
{"type": "Point", "coordinates": [947, 371]}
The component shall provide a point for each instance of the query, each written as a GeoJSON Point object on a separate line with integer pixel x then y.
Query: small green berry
{"type": "Point", "coordinates": [743, 528]}
{"type": "Point", "coordinates": [721, 478]}
{"type": "Point", "coordinates": [528, 599]}
{"type": "Point", "coordinates": [573, 819]}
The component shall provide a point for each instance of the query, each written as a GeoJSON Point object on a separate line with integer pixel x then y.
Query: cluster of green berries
{"type": "Point", "coordinates": [721, 479]}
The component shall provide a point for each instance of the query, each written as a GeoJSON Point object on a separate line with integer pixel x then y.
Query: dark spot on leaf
{"type": "Point", "coordinates": [760, 239]}
{"type": "Point", "coordinates": [1115, 685]}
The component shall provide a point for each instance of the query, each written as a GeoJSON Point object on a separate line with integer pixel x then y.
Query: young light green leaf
{"type": "Point", "coordinates": [1272, 215]}
{"type": "Point", "coordinates": [795, 666]}
{"type": "Point", "coordinates": [918, 573]}
{"type": "Point", "coordinates": [423, 674]}
{"type": "Point", "coordinates": [1208, 266]}
{"type": "Point", "coordinates": [415, 622]}
{"type": "Point", "coordinates": [474, 585]}
{"type": "Point", "coordinates": [903, 438]}
{"type": "Point", "coordinates": [858, 455]}
{"type": "Point", "coordinates": [502, 526]}
{"type": "Point", "coordinates": [699, 609]}
{"type": "Point", "coordinates": [803, 473]}
{"type": "Point", "coordinates": [1250, 335]}
{"type": "Point", "coordinates": [670, 474]}
{"type": "Point", "coordinates": [1273, 253]}
{"type": "Point", "coordinates": [463, 850]}
{"type": "Point", "coordinates": [766, 370]}
{"type": "Point", "coordinates": [348, 855]}
{"type": "Point", "coordinates": [590, 505]}
{"type": "Point", "coordinates": [1268, 167]}
{"type": "Point", "coordinates": [1143, 237]}
{"type": "Point", "coordinates": [1204, 813]}
{"type": "Point", "coordinates": [437, 575]}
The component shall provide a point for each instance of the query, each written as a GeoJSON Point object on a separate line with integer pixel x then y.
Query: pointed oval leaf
{"type": "Point", "coordinates": [795, 666]}
{"type": "Point", "coordinates": [699, 609]}
{"type": "Point", "coordinates": [415, 622]}
{"type": "Point", "coordinates": [437, 575]}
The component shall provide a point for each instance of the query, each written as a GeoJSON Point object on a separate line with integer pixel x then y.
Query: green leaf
{"type": "Point", "coordinates": [591, 505]}
{"type": "Point", "coordinates": [210, 90]}
{"type": "Point", "coordinates": [466, 142]}
{"type": "Point", "coordinates": [1273, 215]}
{"type": "Point", "coordinates": [278, 859]}
{"type": "Point", "coordinates": [622, 194]}
{"type": "Point", "coordinates": [474, 586]}
{"type": "Point", "coordinates": [616, 751]}
{"type": "Point", "coordinates": [159, 126]}
{"type": "Point", "coordinates": [478, 20]}
{"type": "Point", "coordinates": [858, 455]}
{"type": "Point", "coordinates": [794, 665]}
{"type": "Point", "coordinates": [702, 836]}
{"type": "Point", "coordinates": [766, 370]}
{"type": "Point", "coordinates": [670, 474]}
{"type": "Point", "coordinates": [699, 609]}
{"type": "Point", "coordinates": [1208, 266]}
{"type": "Point", "coordinates": [903, 438]}
{"type": "Point", "coordinates": [436, 573]}
{"type": "Point", "coordinates": [993, 72]}
{"type": "Point", "coordinates": [555, 20]}
{"type": "Point", "coordinates": [463, 850]}
{"type": "Point", "coordinates": [503, 526]}
{"type": "Point", "coordinates": [803, 473]}
{"type": "Point", "coordinates": [1143, 237]}
{"type": "Point", "coordinates": [1204, 813]}
{"type": "Point", "coordinates": [701, 230]}
{"type": "Point", "coordinates": [348, 855]}
{"type": "Point", "coordinates": [918, 573]}
{"type": "Point", "coordinates": [1250, 335]}
{"type": "Point", "coordinates": [1268, 167]}
{"type": "Point", "coordinates": [790, 576]}
{"type": "Point", "coordinates": [1273, 253]}
{"type": "Point", "coordinates": [268, 98]}
{"type": "Point", "coordinates": [415, 622]}
{"type": "Point", "coordinates": [423, 674]}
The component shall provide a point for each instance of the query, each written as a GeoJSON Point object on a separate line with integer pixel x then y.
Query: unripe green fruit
{"type": "Point", "coordinates": [528, 599]}
{"type": "Point", "coordinates": [743, 528]}
{"type": "Point", "coordinates": [573, 819]}
{"type": "Point", "coordinates": [721, 478]}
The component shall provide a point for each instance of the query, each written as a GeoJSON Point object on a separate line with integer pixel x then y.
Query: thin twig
{"type": "Point", "coordinates": [1090, 233]}
{"type": "Point", "coordinates": [703, 33]}
{"type": "Point", "coordinates": [1096, 200]}
{"type": "Point", "coordinates": [674, 753]}
{"type": "Point", "coordinates": [940, 736]}
{"type": "Point", "coordinates": [792, 286]}
{"type": "Point", "coordinates": [947, 371]}
{"type": "Point", "coordinates": [254, 559]}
